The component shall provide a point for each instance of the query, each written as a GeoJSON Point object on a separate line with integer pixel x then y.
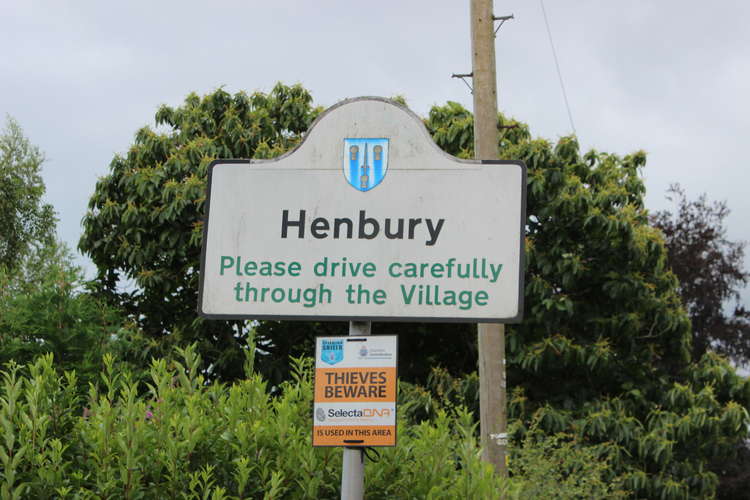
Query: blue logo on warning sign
{"type": "Point", "coordinates": [332, 351]}
{"type": "Point", "coordinates": [365, 162]}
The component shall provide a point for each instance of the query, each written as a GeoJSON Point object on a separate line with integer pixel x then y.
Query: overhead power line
{"type": "Point", "coordinates": [557, 65]}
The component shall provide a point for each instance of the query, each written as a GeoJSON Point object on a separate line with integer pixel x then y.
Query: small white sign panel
{"type": "Point", "coordinates": [367, 219]}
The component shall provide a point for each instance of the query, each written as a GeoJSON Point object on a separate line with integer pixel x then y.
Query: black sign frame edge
{"type": "Point", "coordinates": [518, 318]}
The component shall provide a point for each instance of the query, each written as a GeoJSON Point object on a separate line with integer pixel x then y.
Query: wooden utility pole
{"type": "Point", "coordinates": [491, 337]}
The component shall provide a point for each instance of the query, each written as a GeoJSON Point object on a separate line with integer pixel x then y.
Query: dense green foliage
{"type": "Point", "coordinates": [710, 270]}
{"type": "Point", "coordinates": [604, 349]}
{"type": "Point", "coordinates": [44, 307]}
{"type": "Point", "coordinates": [25, 221]}
{"type": "Point", "coordinates": [146, 217]}
{"type": "Point", "coordinates": [49, 311]}
{"type": "Point", "coordinates": [558, 466]}
{"type": "Point", "coordinates": [178, 437]}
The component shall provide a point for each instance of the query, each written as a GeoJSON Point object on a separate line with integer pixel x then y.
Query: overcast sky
{"type": "Point", "coordinates": [669, 77]}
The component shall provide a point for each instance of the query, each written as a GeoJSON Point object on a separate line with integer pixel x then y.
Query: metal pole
{"type": "Point", "coordinates": [353, 466]}
{"type": "Point", "coordinates": [491, 337]}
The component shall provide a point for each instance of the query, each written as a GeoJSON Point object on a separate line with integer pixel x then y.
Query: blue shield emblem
{"type": "Point", "coordinates": [365, 162]}
{"type": "Point", "coordinates": [332, 351]}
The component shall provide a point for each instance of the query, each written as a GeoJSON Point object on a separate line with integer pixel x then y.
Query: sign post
{"type": "Point", "coordinates": [355, 398]}
{"type": "Point", "coordinates": [353, 459]}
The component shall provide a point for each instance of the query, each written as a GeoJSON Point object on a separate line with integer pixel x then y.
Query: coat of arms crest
{"type": "Point", "coordinates": [365, 162]}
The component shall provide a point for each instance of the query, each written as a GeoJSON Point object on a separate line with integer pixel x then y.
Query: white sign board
{"type": "Point", "coordinates": [355, 391]}
{"type": "Point", "coordinates": [367, 219]}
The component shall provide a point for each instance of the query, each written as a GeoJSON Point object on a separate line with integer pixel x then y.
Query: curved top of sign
{"type": "Point", "coordinates": [385, 118]}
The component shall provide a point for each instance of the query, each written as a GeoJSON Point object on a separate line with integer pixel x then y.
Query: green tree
{"type": "Point", "coordinates": [709, 268]}
{"type": "Point", "coordinates": [44, 307]}
{"type": "Point", "coordinates": [25, 221]}
{"type": "Point", "coordinates": [48, 310]}
{"type": "Point", "coordinates": [604, 351]}
{"type": "Point", "coordinates": [144, 227]}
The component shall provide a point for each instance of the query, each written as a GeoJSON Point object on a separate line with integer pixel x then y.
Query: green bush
{"type": "Point", "coordinates": [178, 436]}
{"type": "Point", "coordinates": [46, 308]}
{"type": "Point", "coordinates": [560, 467]}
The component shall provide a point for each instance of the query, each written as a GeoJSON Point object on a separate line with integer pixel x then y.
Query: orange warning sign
{"type": "Point", "coordinates": [355, 391]}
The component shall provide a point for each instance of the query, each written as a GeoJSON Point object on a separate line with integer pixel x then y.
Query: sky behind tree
{"type": "Point", "coordinates": [667, 77]}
